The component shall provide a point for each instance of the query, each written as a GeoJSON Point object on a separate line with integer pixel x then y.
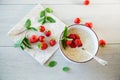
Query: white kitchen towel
{"type": "Point", "coordinates": [56, 29]}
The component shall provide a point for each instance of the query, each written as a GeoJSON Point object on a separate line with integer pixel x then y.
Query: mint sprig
{"type": "Point", "coordinates": [44, 18]}
{"type": "Point", "coordinates": [28, 25]}
{"type": "Point", "coordinates": [23, 43]}
{"type": "Point", "coordinates": [64, 37]}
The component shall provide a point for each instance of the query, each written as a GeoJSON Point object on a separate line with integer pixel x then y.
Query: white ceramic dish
{"type": "Point", "coordinates": [89, 40]}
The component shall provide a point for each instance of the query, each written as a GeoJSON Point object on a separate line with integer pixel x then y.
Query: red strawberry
{"type": "Point", "coordinates": [86, 2]}
{"type": "Point", "coordinates": [102, 43]}
{"type": "Point", "coordinates": [72, 36]}
{"type": "Point", "coordinates": [78, 42]}
{"type": "Point", "coordinates": [72, 45]}
{"type": "Point", "coordinates": [42, 28]}
{"type": "Point", "coordinates": [48, 33]}
{"type": "Point", "coordinates": [68, 42]}
{"type": "Point", "coordinates": [77, 36]}
{"type": "Point", "coordinates": [43, 45]}
{"type": "Point", "coordinates": [52, 42]}
{"type": "Point", "coordinates": [77, 21]}
{"type": "Point", "coordinates": [41, 38]}
{"type": "Point", "coordinates": [89, 24]}
{"type": "Point", "coordinates": [33, 39]}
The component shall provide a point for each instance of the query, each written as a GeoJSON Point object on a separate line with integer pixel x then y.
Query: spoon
{"type": "Point", "coordinates": [99, 60]}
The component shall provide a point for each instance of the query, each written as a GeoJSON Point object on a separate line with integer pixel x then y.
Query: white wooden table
{"type": "Point", "coordinates": [17, 65]}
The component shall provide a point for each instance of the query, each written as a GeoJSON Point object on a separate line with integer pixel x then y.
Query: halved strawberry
{"type": "Point", "coordinates": [33, 38]}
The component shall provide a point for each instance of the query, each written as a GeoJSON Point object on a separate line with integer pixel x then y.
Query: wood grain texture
{"type": "Point", "coordinates": [17, 65]}
{"type": "Point", "coordinates": [78, 2]}
{"type": "Point", "coordinates": [106, 23]}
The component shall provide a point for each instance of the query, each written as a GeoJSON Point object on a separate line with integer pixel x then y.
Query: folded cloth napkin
{"type": "Point", "coordinates": [56, 29]}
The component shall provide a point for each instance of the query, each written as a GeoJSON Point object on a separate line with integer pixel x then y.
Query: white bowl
{"type": "Point", "coordinates": [89, 40]}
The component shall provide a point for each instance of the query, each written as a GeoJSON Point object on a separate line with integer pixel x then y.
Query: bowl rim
{"type": "Point", "coordinates": [74, 60]}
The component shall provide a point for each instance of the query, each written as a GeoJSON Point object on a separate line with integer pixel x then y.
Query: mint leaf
{"type": "Point", "coordinates": [19, 42]}
{"type": "Point", "coordinates": [32, 28]}
{"type": "Point", "coordinates": [49, 10]}
{"type": "Point", "coordinates": [66, 69]}
{"type": "Point", "coordinates": [50, 19]}
{"type": "Point", "coordinates": [27, 43]}
{"type": "Point", "coordinates": [42, 14]}
{"type": "Point", "coordinates": [28, 23]}
{"type": "Point", "coordinates": [41, 19]}
{"type": "Point", "coordinates": [65, 33]}
{"type": "Point", "coordinates": [52, 64]}
{"type": "Point", "coordinates": [64, 37]}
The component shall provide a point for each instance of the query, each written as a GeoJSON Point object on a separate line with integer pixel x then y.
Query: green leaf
{"type": "Point", "coordinates": [38, 45]}
{"type": "Point", "coordinates": [43, 22]}
{"type": "Point", "coordinates": [41, 19]}
{"type": "Point", "coordinates": [50, 19]}
{"type": "Point", "coordinates": [32, 28]}
{"type": "Point", "coordinates": [42, 13]}
{"type": "Point", "coordinates": [65, 33]}
{"type": "Point", "coordinates": [64, 38]}
{"type": "Point", "coordinates": [28, 23]}
{"type": "Point", "coordinates": [66, 69]}
{"type": "Point", "coordinates": [52, 64]}
{"type": "Point", "coordinates": [49, 10]}
{"type": "Point", "coordinates": [19, 42]}
{"type": "Point", "coordinates": [27, 43]}
{"type": "Point", "coordinates": [22, 46]}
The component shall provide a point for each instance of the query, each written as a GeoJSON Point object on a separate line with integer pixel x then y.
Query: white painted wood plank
{"type": "Point", "coordinates": [58, 1]}
{"type": "Point", "coordinates": [17, 65]}
{"type": "Point", "coordinates": [105, 18]}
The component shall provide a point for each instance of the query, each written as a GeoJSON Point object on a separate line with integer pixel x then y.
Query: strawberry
{"type": "Point", "coordinates": [68, 42]}
{"type": "Point", "coordinates": [72, 45]}
{"type": "Point", "coordinates": [48, 33]}
{"type": "Point", "coordinates": [89, 25]}
{"type": "Point", "coordinates": [77, 21]}
{"type": "Point", "coordinates": [52, 42]}
{"type": "Point", "coordinates": [43, 45]}
{"type": "Point", "coordinates": [33, 39]}
{"type": "Point", "coordinates": [41, 38]}
{"type": "Point", "coordinates": [86, 2]}
{"type": "Point", "coordinates": [78, 42]}
{"type": "Point", "coordinates": [102, 43]}
{"type": "Point", "coordinates": [42, 28]}
{"type": "Point", "coordinates": [72, 36]}
{"type": "Point", "coordinates": [77, 36]}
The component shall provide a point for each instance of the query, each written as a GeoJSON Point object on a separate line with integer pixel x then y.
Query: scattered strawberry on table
{"type": "Point", "coordinates": [86, 2]}
{"type": "Point", "coordinates": [77, 20]}
{"type": "Point", "coordinates": [102, 43]}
